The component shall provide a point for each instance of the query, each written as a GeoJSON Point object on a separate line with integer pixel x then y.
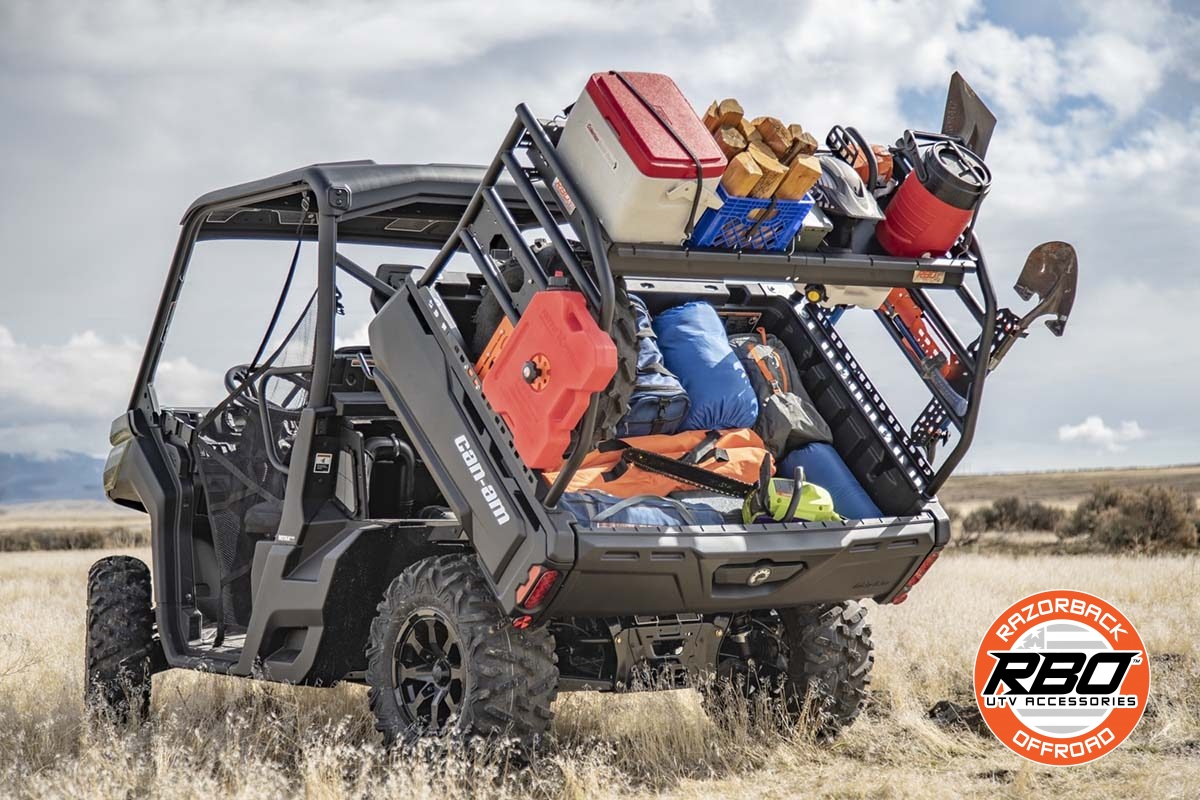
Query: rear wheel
{"type": "Point", "coordinates": [444, 661]}
{"type": "Point", "coordinates": [120, 639]}
{"type": "Point", "coordinates": [812, 662]}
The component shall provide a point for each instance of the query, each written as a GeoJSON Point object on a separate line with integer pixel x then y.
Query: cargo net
{"type": "Point", "coordinates": [243, 489]}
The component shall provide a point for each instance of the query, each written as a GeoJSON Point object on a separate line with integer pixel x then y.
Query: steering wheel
{"type": "Point", "coordinates": [237, 375]}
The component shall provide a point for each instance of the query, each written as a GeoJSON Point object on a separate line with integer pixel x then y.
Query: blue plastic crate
{"type": "Point", "coordinates": [748, 223]}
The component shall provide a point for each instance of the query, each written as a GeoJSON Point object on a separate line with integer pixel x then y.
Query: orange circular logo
{"type": "Point", "coordinates": [1062, 677]}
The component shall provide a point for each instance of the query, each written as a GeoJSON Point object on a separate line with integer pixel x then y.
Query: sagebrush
{"type": "Point", "coordinates": [1150, 520]}
{"type": "Point", "coordinates": [1013, 514]}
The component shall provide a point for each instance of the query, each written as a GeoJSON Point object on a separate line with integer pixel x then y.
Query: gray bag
{"type": "Point", "coordinates": [787, 416]}
{"type": "Point", "coordinates": [788, 420]}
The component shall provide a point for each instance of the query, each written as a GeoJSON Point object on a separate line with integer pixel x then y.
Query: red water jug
{"type": "Point", "coordinates": [934, 204]}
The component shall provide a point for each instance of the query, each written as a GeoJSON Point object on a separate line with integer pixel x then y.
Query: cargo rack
{"type": "Point", "coordinates": [544, 176]}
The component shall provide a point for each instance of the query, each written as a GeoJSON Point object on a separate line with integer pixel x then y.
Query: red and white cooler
{"type": "Point", "coordinates": [634, 172]}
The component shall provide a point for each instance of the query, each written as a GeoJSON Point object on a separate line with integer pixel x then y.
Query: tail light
{"type": "Point", "coordinates": [534, 591]}
{"type": "Point", "coordinates": [916, 577]}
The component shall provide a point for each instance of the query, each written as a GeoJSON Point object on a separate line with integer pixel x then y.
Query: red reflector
{"type": "Point", "coordinates": [533, 592]}
{"type": "Point", "coordinates": [921, 570]}
{"type": "Point", "coordinates": [916, 577]}
{"type": "Point", "coordinates": [521, 623]}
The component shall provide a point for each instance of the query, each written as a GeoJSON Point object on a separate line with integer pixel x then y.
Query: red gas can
{"type": "Point", "coordinates": [541, 382]}
{"type": "Point", "coordinates": [934, 204]}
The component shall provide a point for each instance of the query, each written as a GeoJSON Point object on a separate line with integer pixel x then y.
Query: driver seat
{"type": "Point", "coordinates": [261, 520]}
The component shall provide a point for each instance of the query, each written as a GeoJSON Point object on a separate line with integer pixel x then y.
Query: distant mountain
{"type": "Point", "coordinates": [68, 476]}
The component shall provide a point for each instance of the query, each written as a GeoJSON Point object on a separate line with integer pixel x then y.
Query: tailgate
{"type": "Point", "coordinates": [627, 569]}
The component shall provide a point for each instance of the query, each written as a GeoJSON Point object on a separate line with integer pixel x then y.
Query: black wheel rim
{"type": "Point", "coordinates": [760, 662]}
{"type": "Point", "coordinates": [428, 678]}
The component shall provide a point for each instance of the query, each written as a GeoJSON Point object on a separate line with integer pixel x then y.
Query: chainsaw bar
{"type": "Point", "coordinates": [686, 473]}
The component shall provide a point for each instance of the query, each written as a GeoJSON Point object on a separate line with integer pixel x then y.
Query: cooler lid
{"type": "Point", "coordinates": [650, 146]}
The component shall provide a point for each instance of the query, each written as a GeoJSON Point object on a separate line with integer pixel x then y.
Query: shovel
{"type": "Point", "coordinates": [1050, 272]}
{"type": "Point", "coordinates": [966, 117]}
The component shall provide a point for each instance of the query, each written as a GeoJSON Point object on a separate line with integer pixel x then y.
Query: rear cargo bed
{"type": "Point", "coordinates": [866, 434]}
{"type": "Point", "coordinates": [666, 570]}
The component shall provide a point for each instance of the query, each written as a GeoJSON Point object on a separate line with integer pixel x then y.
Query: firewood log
{"type": "Point", "coordinates": [775, 134]}
{"type": "Point", "coordinates": [726, 113]}
{"type": "Point", "coordinates": [742, 175]}
{"type": "Point", "coordinates": [803, 143]}
{"type": "Point", "coordinates": [802, 174]}
{"type": "Point", "coordinates": [730, 140]}
{"type": "Point", "coordinates": [755, 142]}
{"type": "Point", "coordinates": [773, 173]}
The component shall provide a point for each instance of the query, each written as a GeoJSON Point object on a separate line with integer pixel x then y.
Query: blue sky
{"type": "Point", "coordinates": [116, 116]}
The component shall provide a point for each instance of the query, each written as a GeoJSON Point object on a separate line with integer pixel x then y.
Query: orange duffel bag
{"type": "Point", "coordinates": [736, 453]}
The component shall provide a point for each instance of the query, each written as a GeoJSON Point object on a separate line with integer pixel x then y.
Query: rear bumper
{"type": "Point", "coordinates": [631, 570]}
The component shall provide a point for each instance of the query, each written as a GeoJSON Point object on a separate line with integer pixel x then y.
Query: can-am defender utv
{"type": "Point", "coordinates": [360, 513]}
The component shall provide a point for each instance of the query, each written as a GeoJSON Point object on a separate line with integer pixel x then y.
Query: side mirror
{"type": "Point", "coordinates": [1050, 272]}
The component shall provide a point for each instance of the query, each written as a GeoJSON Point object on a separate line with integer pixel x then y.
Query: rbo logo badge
{"type": "Point", "coordinates": [1062, 677]}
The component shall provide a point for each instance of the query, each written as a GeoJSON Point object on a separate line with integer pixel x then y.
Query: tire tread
{"type": "Point", "coordinates": [119, 638]}
{"type": "Point", "coordinates": [512, 674]}
{"type": "Point", "coordinates": [830, 661]}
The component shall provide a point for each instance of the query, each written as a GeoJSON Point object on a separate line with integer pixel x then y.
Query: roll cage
{"type": "Point", "coordinates": [438, 205]}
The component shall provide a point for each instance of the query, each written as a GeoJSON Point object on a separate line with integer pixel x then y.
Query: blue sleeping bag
{"type": "Point", "coordinates": [694, 347]}
{"type": "Point", "coordinates": [592, 507]}
{"type": "Point", "coordinates": [824, 467]}
{"type": "Point", "coordinates": [658, 403]}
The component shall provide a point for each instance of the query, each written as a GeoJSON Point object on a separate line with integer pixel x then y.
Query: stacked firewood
{"type": "Point", "coordinates": [766, 158]}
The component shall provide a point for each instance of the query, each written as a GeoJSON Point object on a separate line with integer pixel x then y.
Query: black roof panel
{"type": "Point", "coordinates": [384, 203]}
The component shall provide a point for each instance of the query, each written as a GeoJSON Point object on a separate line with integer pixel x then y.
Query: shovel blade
{"type": "Point", "coordinates": [1050, 272]}
{"type": "Point", "coordinates": [967, 117]}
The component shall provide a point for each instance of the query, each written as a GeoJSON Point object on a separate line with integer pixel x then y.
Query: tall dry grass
{"type": "Point", "coordinates": [225, 737]}
{"type": "Point", "coordinates": [71, 525]}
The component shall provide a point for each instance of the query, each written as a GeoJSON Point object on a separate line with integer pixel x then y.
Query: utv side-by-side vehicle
{"type": "Point", "coordinates": [360, 512]}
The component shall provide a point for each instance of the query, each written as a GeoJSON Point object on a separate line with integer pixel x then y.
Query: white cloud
{"type": "Point", "coordinates": [59, 397]}
{"type": "Point", "coordinates": [1093, 431]}
{"type": "Point", "coordinates": [50, 440]}
{"type": "Point", "coordinates": [1119, 72]}
{"type": "Point", "coordinates": [281, 36]}
{"type": "Point", "coordinates": [357, 338]}
{"type": "Point", "coordinates": [157, 103]}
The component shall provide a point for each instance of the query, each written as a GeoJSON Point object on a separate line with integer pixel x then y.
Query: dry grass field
{"type": "Point", "coordinates": [217, 736]}
{"type": "Point", "coordinates": [224, 737]}
{"type": "Point", "coordinates": [70, 524]}
{"type": "Point", "coordinates": [1064, 489]}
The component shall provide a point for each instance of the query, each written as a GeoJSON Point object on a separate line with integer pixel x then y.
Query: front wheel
{"type": "Point", "coordinates": [120, 639]}
{"type": "Point", "coordinates": [812, 661]}
{"type": "Point", "coordinates": [444, 661]}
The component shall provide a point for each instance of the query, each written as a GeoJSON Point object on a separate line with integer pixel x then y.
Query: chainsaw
{"type": "Point", "coordinates": [770, 499]}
